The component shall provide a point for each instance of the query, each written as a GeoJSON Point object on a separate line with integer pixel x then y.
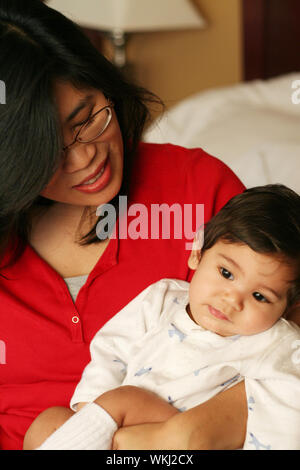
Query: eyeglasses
{"type": "Point", "coordinates": [94, 126]}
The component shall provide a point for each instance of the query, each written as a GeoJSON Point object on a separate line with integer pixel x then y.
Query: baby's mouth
{"type": "Point", "coordinates": [216, 313]}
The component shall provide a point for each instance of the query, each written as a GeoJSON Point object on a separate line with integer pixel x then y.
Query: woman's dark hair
{"type": "Point", "coordinates": [38, 46]}
{"type": "Point", "coordinates": [267, 219]}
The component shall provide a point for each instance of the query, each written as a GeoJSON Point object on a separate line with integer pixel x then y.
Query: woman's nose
{"type": "Point", "coordinates": [79, 156]}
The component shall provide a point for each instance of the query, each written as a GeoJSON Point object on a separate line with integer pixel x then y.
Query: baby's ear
{"type": "Point", "coordinates": [195, 256]}
{"type": "Point", "coordinates": [194, 259]}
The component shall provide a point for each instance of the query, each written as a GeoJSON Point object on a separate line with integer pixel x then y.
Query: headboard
{"type": "Point", "coordinates": [271, 35]}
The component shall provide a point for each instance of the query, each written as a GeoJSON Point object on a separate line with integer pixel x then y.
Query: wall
{"type": "Point", "coordinates": [177, 64]}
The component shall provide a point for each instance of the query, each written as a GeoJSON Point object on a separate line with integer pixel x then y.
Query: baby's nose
{"type": "Point", "coordinates": [234, 300]}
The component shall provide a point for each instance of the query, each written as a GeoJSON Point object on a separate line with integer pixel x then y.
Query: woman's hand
{"type": "Point", "coordinates": [150, 436]}
{"type": "Point", "coordinates": [218, 424]}
{"type": "Point", "coordinates": [142, 436]}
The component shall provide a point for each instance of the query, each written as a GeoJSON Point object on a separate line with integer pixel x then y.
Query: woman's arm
{"type": "Point", "coordinates": [218, 424]}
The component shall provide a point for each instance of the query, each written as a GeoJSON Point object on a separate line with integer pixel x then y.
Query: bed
{"type": "Point", "coordinates": [253, 126]}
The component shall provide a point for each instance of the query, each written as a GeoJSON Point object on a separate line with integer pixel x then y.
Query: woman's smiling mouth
{"type": "Point", "coordinates": [98, 180]}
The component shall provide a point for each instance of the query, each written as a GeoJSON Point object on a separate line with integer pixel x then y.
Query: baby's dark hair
{"type": "Point", "coordinates": [267, 219]}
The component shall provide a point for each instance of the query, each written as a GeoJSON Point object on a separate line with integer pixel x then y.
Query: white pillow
{"type": "Point", "coordinates": [253, 127]}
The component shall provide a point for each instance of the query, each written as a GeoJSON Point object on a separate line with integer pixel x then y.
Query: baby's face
{"type": "Point", "coordinates": [236, 291]}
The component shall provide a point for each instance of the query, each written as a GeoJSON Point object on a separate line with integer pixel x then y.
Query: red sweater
{"type": "Point", "coordinates": [42, 350]}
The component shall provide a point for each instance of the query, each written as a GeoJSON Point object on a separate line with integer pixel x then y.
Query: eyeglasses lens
{"type": "Point", "coordinates": [95, 126]}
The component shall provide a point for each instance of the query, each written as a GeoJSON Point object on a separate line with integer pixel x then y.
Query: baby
{"type": "Point", "coordinates": [177, 344]}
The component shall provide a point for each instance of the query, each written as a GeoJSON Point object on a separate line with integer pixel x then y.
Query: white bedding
{"type": "Point", "coordinates": [254, 127]}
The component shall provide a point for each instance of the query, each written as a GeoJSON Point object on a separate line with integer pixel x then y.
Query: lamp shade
{"type": "Point", "coordinates": [131, 15]}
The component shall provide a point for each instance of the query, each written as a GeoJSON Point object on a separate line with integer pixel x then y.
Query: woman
{"type": "Point", "coordinates": [70, 132]}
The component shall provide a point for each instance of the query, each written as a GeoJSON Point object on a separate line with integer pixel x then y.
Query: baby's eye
{"type": "Point", "coordinates": [259, 297]}
{"type": "Point", "coordinates": [227, 274]}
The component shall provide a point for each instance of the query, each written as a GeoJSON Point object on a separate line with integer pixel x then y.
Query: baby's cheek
{"type": "Point", "coordinates": [258, 321]}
